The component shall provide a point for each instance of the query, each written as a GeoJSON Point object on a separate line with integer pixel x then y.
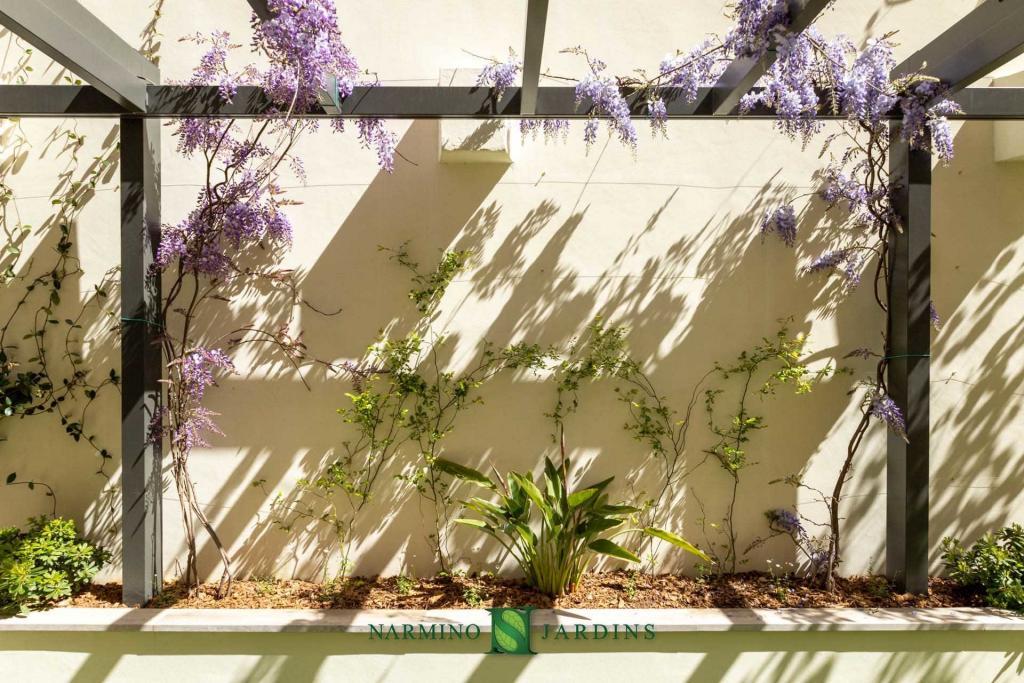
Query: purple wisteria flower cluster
{"type": "Point", "coordinates": [551, 129]}
{"type": "Point", "coordinates": [304, 45]}
{"type": "Point", "coordinates": [500, 76]}
{"type": "Point", "coordinates": [756, 24]}
{"type": "Point", "coordinates": [239, 214]}
{"type": "Point", "coordinates": [194, 374]}
{"type": "Point", "coordinates": [692, 70]}
{"type": "Point", "coordinates": [884, 408]}
{"type": "Point", "coordinates": [782, 222]}
{"type": "Point", "coordinates": [605, 95]}
{"type": "Point", "coordinates": [933, 316]}
{"type": "Point", "coordinates": [924, 119]}
{"type": "Point", "coordinates": [375, 135]}
{"type": "Point", "coordinates": [786, 521]}
{"type": "Point", "coordinates": [813, 74]}
{"type": "Point", "coordinates": [789, 88]}
{"type": "Point", "coordinates": [848, 262]}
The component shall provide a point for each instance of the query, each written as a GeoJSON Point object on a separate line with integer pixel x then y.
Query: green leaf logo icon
{"type": "Point", "coordinates": [510, 631]}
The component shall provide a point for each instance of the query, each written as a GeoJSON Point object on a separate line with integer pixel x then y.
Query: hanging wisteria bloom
{"type": "Point", "coordinates": [657, 113]}
{"type": "Point", "coordinates": [604, 96]}
{"type": "Point", "coordinates": [500, 76]}
{"type": "Point", "coordinates": [866, 93]}
{"type": "Point", "coordinates": [786, 521]}
{"type": "Point", "coordinates": [933, 316]}
{"type": "Point", "coordinates": [692, 70]}
{"type": "Point", "coordinates": [374, 134]}
{"type": "Point", "coordinates": [925, 125]}
{"type": "Point", "coordinates": [782, 222]}
{"type": "Point", "coordinates": [552, 129]}
{"type": "Point", "coordinates": [239, 226]}
{"type": "Point", "coordinates": [848, 262]}
{"type": "Point", "coordinates": [790, 87]}
{"type": "Point", "coordinates": [304, 45]}
{"type": "Point", "coordinates": [755, 27]}
{"type": "Point", "coordinates": [885, 409]}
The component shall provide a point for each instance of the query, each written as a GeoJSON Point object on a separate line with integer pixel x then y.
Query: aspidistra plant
{"type": "Point", "coordinates": [571, 527]}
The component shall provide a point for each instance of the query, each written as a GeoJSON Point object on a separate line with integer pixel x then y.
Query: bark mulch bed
{"type": "Point", "coordinates": [611, 589]}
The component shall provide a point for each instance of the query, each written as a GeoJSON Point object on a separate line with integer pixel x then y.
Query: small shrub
{"type": "Point", "coordinates": [472, 596]}
{"type": "Point", "coordinates": [404, 584]}
{"type": "Point", "coordinates": [995, 564]}
{"type": "Point", "coordinates": [573, 526]}
{"type": "Point", "coordinates": [45, 564]}
{"type": "Point", "coordinates": [265, 585]}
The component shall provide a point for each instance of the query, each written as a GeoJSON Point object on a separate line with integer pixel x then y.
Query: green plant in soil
{"type": "Point", "coordinates": [556, 545]}
{"type": "Point", "coordinates": [44, 564]}
{"type": "Point", "coordinates": [472, 596]}
{"type": "Point", "coordinates": [994, 564]}
{"type": "Point", "coordinates": [759, 372]}
{"type": "Point", "coordinates": [404, 584]}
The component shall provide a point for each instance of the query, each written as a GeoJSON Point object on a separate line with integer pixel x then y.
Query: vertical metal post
{"type": "Point", "coordinates": [141, 364]}
{"type": "Point", "coordinates": [909, 366]}
{"type": "Point", "coordinates": [533, 52]}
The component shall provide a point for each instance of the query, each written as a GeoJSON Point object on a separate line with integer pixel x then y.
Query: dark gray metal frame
{"type": "Point", "coordinates": [125, 85]}
{"type": "Point", "coordinates": [983, 40]}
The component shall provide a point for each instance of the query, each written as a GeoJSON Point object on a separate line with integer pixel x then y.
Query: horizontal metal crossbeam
{"type": "Point", "coordinates": [402, 102]}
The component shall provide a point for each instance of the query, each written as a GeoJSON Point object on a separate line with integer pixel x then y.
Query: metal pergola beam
{"type": "Point", "coordinates": [119, 75]}
{"type": "Point", "coordinates": [533, 53]}
{"type": "Point", "coordinates": [74, 38]}
{"type": "Point", "coordinates": [741, 74]}
{"type": "Point", "coordinates": [82, 101]}
{"type": "Point", "coordinates": [908, 462]}
{"type": "Point", "coordinates": [988, 37]}
{"type": "Point", "coordinates": [141, 361]}
{"type": "Point", "coordinates": [408, 102]}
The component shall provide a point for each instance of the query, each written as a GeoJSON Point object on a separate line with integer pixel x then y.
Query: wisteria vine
{"type": "Point", "coordinates": [811, 76]}
{"type": "Point", "coordinates": [214, 252]}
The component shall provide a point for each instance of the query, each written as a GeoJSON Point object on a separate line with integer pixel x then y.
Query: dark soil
{"type": "Point", "coordinates": [612, 589]}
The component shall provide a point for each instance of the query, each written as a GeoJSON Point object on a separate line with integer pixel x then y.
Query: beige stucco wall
{"type": "Point", "coordinates": [665, 242]}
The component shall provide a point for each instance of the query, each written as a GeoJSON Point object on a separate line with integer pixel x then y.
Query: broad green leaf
{"type": "Point", "coordinates": [606, 547]}
{"type": "Point", "coordinates": [524, 532]}
{"type": "Point", "coordinates": [485, 507]}
{"type": "Point", "coordinates": [580, 497]}
{"type": "Point", "coordinates": [479, 524]}
{"type": "Point", "coordinates": [618, 510]}
{"type": "Point", "coordinates": [530, 489]}
{"type": "Point", "coordinates": [602, 485]}
{"type": "Point", "coordinates": [598, 524]}
{"type": "Point", "coordinates": [463, 472]}
{"type": "Point", "coordinates": [675, 540]}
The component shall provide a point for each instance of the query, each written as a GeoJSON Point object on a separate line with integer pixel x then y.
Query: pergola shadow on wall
{"type": "Point", "coordinates": [126, 85]}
